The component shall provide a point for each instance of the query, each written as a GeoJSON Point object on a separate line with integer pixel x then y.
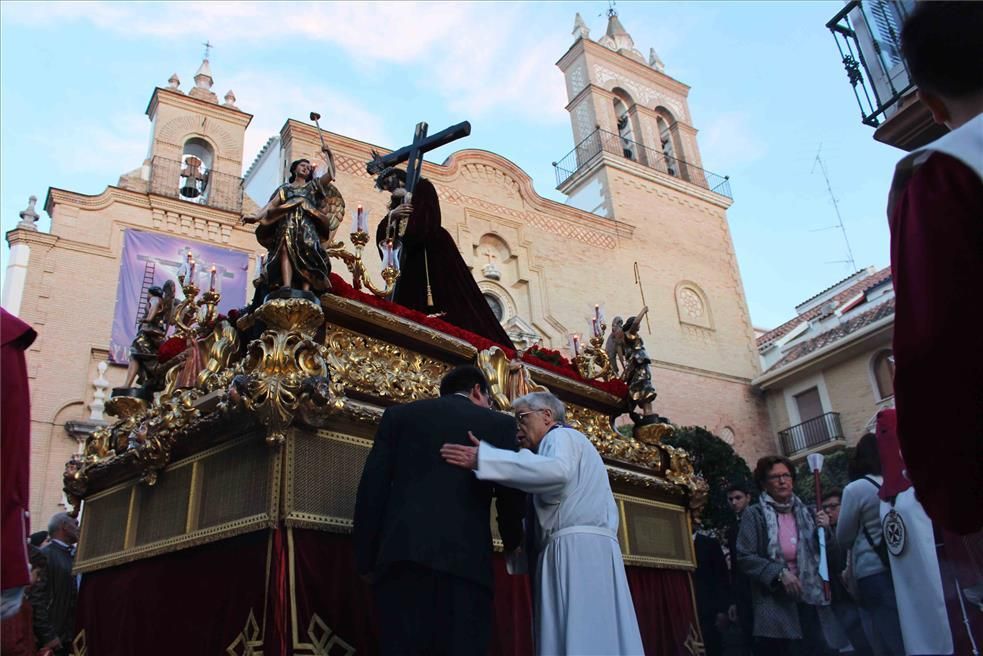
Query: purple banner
{"type": "Point", "coordinates": [151, 259]}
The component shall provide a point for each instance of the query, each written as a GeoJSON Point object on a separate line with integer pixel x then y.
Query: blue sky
{"type": "Point", "coordinates": [767, 90]}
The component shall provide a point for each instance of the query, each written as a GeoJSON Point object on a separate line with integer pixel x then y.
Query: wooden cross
{"type": "Point", "coordinates": [413, 153]}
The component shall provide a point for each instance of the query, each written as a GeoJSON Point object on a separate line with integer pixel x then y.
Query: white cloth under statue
{"type": "Point", "coordinates": [583, 605]}
{"type": "Point", "coordinates": [918, 582]}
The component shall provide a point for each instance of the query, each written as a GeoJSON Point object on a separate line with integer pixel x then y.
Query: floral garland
{"type": "Point", "coordinates": [556, 363]}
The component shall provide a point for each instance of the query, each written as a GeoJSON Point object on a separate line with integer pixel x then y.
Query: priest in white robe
{"type": "Point", "coordinates": [582, 601]}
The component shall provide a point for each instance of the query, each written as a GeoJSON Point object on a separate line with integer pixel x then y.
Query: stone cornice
{"type": "Point", "coordinates": [645, 173]}
{"type": "Point", "coordinates": [193, 209]}
{"type": "Point", "coordinates": [94, 202]}
{"type": "Point", "coordinates": [113, 194]}
{"type": "Point", "coordinates": [193, 105]}
{"type": "Point", "coordinates": [21, 236]}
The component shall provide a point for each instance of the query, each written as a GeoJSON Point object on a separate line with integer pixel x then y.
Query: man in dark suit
{"type": "Point", "coordinates": [53, 597]}
{"type": "Point", "coordinates": [741, 610]}
{"type": "Point", "coordinates": [712, 590]}
{"type": "Point", "coordinates": [422, 531]}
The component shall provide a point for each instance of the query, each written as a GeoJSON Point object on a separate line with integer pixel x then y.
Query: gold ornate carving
{"type": "Point", "coordinates": [593, 362]}
{"type": "Point", "coordinates": [160, 428]}
{"type": "Point", "coordinates": [507, 379]}
{"type": "Point", "coordinates": [380, 369]}
{"type": "Point", "coordinates": [249, 642]}
{"type": "Point", "coordinates": [222, 345]}
{"type": "Point", "coordinates": [338, 306]}
{"type": "Point", "coordinates": [285, 368]}
{"type": "Point", "coordinates": [653, 434]}
{"type": "Point", "coordinates": [356, 265]}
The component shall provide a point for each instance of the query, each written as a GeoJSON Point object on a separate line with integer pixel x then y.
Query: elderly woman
{"type": "Point", "coordinates": [582, 601]}
{"type": "Point", "coordinates": [859, 528]}
{"type": "Point", "coordinates": [777, 548]}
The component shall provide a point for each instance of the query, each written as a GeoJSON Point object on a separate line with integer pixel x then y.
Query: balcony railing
{"type": "Point", "coordinates": [868, 36]}
{"type": "Point", "coordinates": [602, 141]}
{"type": "Point", "coordinates": [811, 434]}
{"type": "Point", "coordinates": [223, 191]}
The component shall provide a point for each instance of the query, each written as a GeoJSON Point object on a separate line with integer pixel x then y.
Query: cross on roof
{"type": "Point", "coordinates": [208, 47]}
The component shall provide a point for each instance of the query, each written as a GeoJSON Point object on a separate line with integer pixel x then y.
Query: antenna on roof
{"type": "Point", "coordinates": [836, 207]}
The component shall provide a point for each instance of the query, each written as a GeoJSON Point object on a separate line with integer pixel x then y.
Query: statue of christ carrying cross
{"type": "Point", "coordinates": [434, 278]}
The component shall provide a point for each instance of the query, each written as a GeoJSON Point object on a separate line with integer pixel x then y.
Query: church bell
{"type": "Point", "coordinates": [193, 180]}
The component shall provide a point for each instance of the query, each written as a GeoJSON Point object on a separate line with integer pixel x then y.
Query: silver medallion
{"type": "Point", "coordinates": [895, 532]}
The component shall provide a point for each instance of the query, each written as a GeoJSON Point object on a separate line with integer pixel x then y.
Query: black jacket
{"type": "Point", "coordinates": [53, 597]}
{"type": "Point", "coordinates": [414, 507]}
{"type": "Point", "coordinates": [711, 580]}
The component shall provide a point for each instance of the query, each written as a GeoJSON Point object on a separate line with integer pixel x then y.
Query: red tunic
{"type": "Point", "coordinates": [936, 222]}
{"type": "Point", "coordinates": [15, 449]}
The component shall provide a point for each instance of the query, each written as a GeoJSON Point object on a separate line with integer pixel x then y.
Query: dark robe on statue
{"type": "Point", "coordinates": [454, 290]}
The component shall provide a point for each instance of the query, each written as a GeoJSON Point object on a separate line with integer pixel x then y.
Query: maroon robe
{"type": "Point", "coordinates": [15, 450]}
{"type": "Point", "coordinates": [452, 286]}
{"type": "Point", "coordinates": [936, 221]}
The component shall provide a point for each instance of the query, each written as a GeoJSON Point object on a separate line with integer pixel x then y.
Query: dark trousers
{"type": "Point", "coordinates": [813, 643]}
{"type": "Point", "coordinates": [423, 612]}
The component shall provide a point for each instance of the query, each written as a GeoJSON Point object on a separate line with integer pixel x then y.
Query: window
{"type": "Point", "coordinates": [495, 304]}
{"type": "Point", "coordinates": [883, 370]}
{"type": "Point", "coordinates": [624, 129]}
{"type": "Point", "coordinates": [668, 151]}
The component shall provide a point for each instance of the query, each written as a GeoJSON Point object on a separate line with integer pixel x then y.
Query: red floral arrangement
{"type": "Point", "coordinates": [535, 356]}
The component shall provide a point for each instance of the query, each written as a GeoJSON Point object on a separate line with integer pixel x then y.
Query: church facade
{"type": "Point", "coordinates": [641, 209]}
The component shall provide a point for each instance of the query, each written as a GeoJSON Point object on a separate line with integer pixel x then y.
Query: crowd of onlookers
{"type": "Point", "coordinates": [824, 578]}
{"type": "Point", "coordinates": [45, 623]}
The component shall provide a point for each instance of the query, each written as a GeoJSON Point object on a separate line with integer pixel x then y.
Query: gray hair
{"type": "Point", "coordinates": [57, 521]}
{"type": "Point", "coordinates": [542, 401]}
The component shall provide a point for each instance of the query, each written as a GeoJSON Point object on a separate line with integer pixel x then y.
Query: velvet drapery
{"type": "Point", "coordinates": [301, 588]}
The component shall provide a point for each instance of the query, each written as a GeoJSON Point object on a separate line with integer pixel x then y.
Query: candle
{"type": "Point", "coordinates": [576, 345]}
{"type": "Point", "coordinates": [595, 328]}
{"type": "Point", "coordinates": [597, 313]}
{"type": "Point", "coordinates": [211, 285]}
{"type": "Point", "coordinates": [191, 271]}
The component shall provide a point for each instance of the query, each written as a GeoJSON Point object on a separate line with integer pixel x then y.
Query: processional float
{"type": "Point", "coordinates": [218, 506]}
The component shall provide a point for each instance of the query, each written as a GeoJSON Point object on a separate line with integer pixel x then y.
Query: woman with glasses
{"type": "Point", "coordinates": [582, 601]}
{"type": "Point", "coordinates": [778, 549]}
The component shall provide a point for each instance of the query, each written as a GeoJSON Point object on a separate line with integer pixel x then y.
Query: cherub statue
{"type": "Point", "coordinates": [153, 329]}
{"type": "Point", "coordinates": [299, 216]}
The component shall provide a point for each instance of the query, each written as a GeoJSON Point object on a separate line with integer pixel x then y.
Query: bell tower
{"type": "Point", "coordinates": [196, 143]}
{"type": "Point", "coordinates": [622, 107]}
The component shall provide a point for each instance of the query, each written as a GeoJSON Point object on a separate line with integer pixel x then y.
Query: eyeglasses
{"type": "Point", "coordinates": [521, 416]}
{"type": "Point", "coordinates": [780, 477]}
{"type": "Point", "coordinates": [830, 506]}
